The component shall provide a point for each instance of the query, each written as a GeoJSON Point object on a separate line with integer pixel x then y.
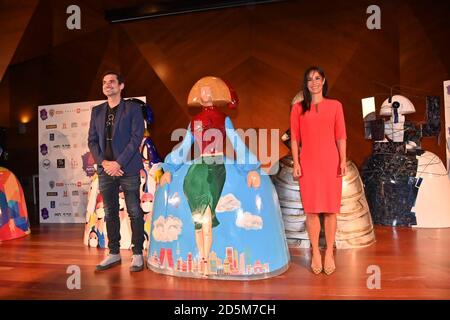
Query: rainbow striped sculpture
{"type": "Point", "coordinates": [14, 221]}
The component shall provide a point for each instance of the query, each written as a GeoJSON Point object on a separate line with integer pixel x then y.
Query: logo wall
{"type": "Point", "coordinates": [63, 184]}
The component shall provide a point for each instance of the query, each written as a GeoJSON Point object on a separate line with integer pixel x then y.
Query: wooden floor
{"type": "Point", "coordinates": [414, 263]}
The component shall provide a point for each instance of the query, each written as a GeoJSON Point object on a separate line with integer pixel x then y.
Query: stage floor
{"type": "Point", "coordinates": [414, 264]}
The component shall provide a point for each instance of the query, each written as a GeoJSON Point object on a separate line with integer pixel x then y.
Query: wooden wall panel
{"type": "Point", "coordinates": [91, 20]}
{"type": "Point", "coordinates": [74, 67]}
{"type": "Point", "coordinates": [5, 101]}
{"type": "Point", "coordinates": [109, 61]}
{"type": "Point", "coordinates": [14, 18]}
{"type": "Point", "coordinates": [141, 79]}
{"type": "Point", "coordinates": [184, 49]}
{"type": "Point", "coordinates": [28, 84]}
{"type": "Point", "coordinates": [261, 50]}
{"type": "Point", "coordinates": [424, 61]}
{"type": "Point", "coordinates": [37, 38]}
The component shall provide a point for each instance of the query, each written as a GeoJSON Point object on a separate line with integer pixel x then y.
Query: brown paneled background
{"type": "Point", "coordinates": [261, 50]}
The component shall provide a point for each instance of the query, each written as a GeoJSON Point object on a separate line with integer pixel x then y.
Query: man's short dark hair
{"type": "Point", "coordinates": [118, 75]}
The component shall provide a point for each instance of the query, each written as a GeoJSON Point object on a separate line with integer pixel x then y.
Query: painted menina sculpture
{"type": "Point", "coordinates": [215, 217]}
{"type": "Point", "coordinates": [405, 185]}
{"type": "Point", "coordinates": [14, 221]}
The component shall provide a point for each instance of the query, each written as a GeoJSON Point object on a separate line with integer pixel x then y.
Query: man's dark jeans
{"type": "Point", "coordinates": [109, 188]}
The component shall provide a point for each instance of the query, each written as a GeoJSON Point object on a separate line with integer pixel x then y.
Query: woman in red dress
{"type": "Point", "coordinates": [318, 142]}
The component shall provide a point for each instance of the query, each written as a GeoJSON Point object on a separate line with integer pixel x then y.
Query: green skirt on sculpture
{"type": "Point", "coordinates": [203, 186]}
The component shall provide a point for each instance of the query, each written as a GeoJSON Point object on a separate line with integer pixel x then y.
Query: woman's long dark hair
{"type": "Point", "coordinates": [306, 103]}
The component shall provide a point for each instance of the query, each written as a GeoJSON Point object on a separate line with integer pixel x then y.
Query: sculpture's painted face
{"type": "Point", "coordinates": [93, 240]}
{"type": "Point", "coordinates": [143, 177]}
{"type": "Point", "coordinates": [206, 96]}
{"type": "Point", "coordinates": [146, 205]}
{"type": "Point", "coordinates": [315, 82]}
{"type": "Point", "coordinates": [122, 203]}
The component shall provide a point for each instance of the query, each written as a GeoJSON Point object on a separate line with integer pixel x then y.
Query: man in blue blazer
{"type": "Point", "coordinates": [115, 134]}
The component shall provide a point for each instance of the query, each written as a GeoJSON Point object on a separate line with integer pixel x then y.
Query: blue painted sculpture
{"type": "Point", "coordinates": [216, 217]}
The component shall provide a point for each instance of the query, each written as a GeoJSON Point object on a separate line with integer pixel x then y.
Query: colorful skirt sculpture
{"type": "Point", "coordinates": [246, 240]}
{"type": "Point", "coordinates": [14, 221]}
{"type": "Point", "coordinates": [95, 234]}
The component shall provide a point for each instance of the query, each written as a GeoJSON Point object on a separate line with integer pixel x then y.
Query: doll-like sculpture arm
{"type": "Point", "coordinates": [247, 162]}
{"type": "Point", "coordinates": [177, 157]}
